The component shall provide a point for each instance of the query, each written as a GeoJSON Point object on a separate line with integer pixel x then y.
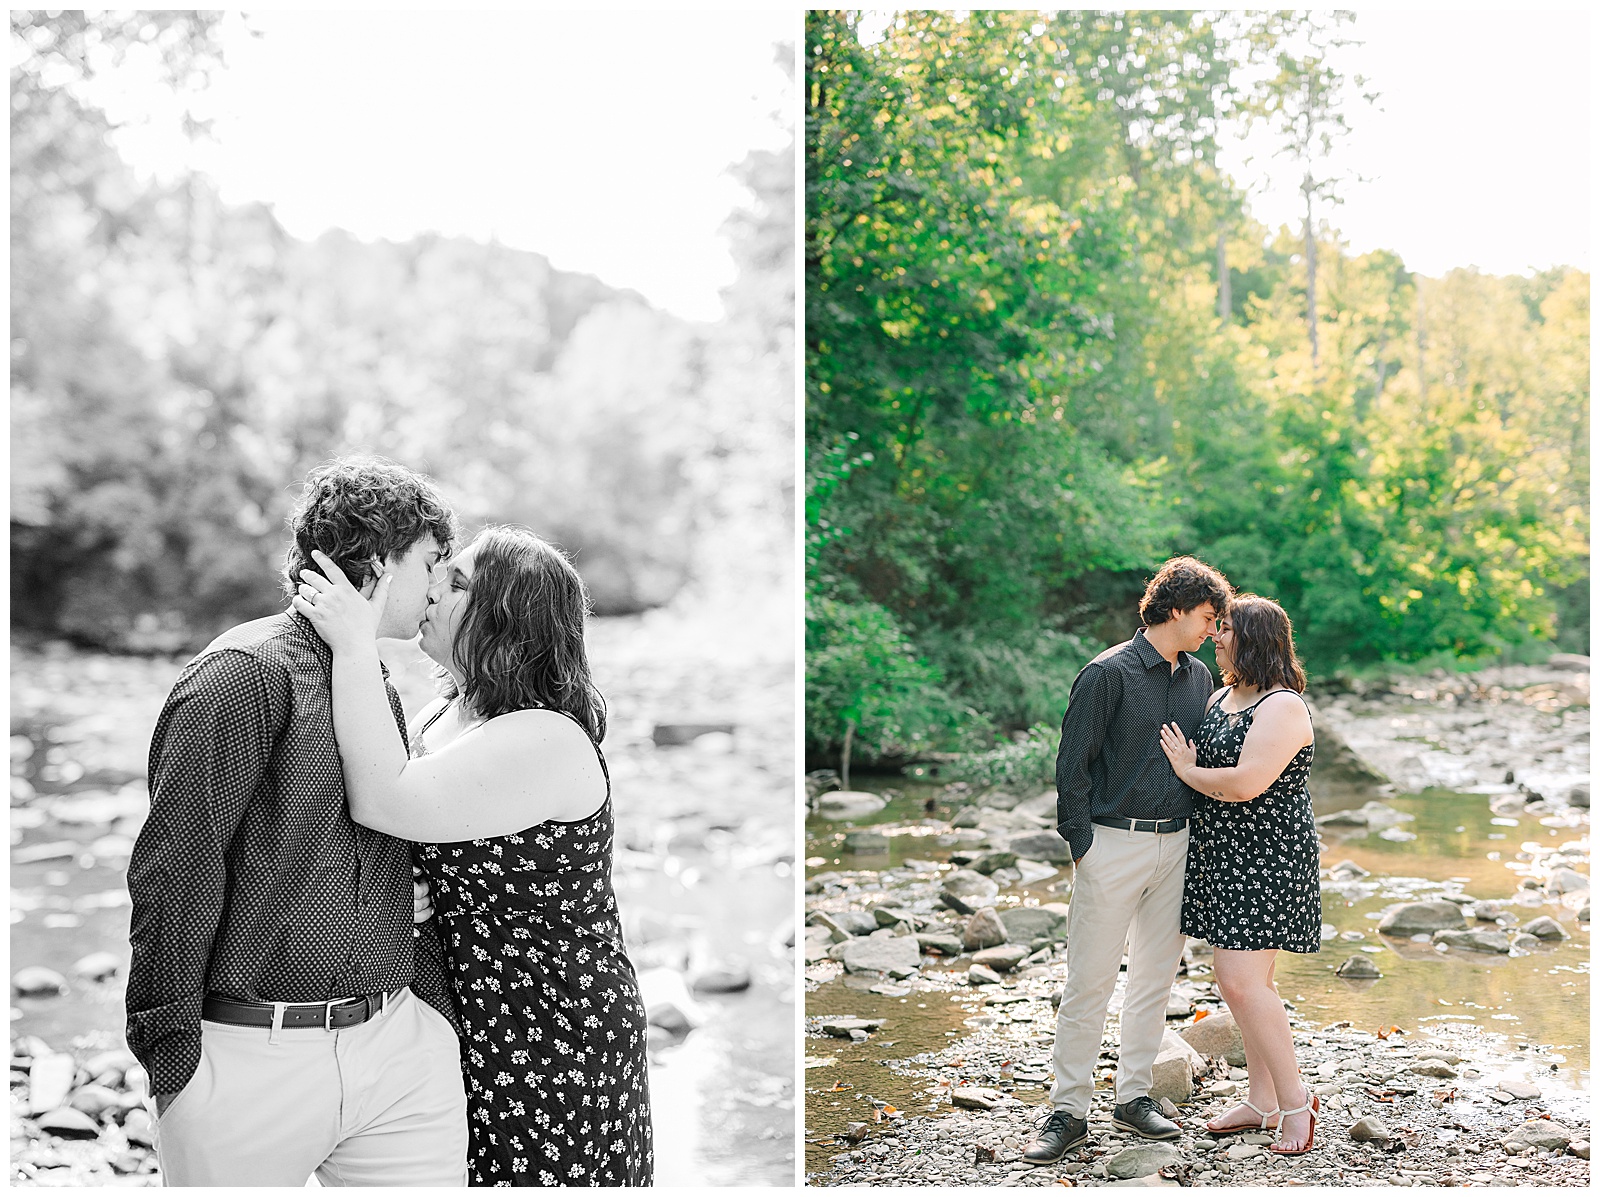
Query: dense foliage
{"type": "Point", "coordinates": [177, 365]}
{"type": "Point", "coordinates": [1047, 347]}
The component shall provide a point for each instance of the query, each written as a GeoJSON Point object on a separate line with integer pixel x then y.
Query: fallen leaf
{"type": "Point", "coordinates": [890, 1111]}
{"type": "Point", "coordinates": [1064, 1181]}
{"type": "Point", "coordinates": [1199, 1014]}
{"type": "Point", "coordinates": [840, 1087]}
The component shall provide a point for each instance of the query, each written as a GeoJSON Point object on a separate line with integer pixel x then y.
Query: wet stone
{"type": "Point", "coordinates": [984, 930]}
{"type": "Point", "coordinates": [1003, 958]}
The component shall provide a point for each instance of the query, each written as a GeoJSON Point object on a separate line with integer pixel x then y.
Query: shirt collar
{"type": "Point", "coordinates": [309, 633]}
{"type": "Point", "coordinates": [1151, 655]}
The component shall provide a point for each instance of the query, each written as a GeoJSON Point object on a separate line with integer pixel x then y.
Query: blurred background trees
{"type": "Point", "coordinates": [1048, 347]}
{"type": "Point", "coordinates": [179, 364]}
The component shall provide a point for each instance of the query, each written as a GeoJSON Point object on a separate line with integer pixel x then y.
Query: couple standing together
{"type": "Point", "coordinates": [298, 1006]}
{"type": "Point", "coordinates": [1187, 813]}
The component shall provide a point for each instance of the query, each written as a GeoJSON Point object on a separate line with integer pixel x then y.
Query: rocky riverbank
{"type": "Point", "coordinates": [969, 910]}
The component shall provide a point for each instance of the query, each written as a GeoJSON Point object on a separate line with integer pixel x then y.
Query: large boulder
{"type": "Point", "coordinates": [967, 892]}
{"type": "Point", "coordinates": [1475, 941]}
{"type": "Point", "coordinates": [1566, 881]}
{"type": "Point", "coordinates": [1176, 1066]}
{"type": "Point", "coordinates": [1538, 1132]}
{"type": "Point", "coordinates": [897, 955]}
{"type": "Point", "coordinates": [1413, 918]}
{"type": "Point", "coordinates": [1546, 927]}
{"type": "Point", "coordinates": [849, 804]}
{"type": "Point", "coordinates": [983, 930]}
{"type": "Point", "coordinates": [993, 860]}
{"type": "Point", "coordinates": [1217, 1036]}
{"type": "Point", "coordinates": [1024, 924]}
{"type": "Point", "coordinates": [1041, 845]}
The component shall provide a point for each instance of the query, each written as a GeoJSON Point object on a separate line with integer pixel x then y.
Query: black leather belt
{"type": "Point", "coordinates": [328, 1016]}
{"type": "Point", "coordinates": [1159, 826]}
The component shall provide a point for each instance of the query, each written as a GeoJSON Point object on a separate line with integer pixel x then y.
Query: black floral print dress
{"type": "Point", "coordinates": [553, 1045]}
{"type": "Point", "coordinates": [1252, 880]}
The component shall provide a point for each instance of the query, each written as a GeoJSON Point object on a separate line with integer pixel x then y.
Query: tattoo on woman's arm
{"type": "Point", "coordinates": [1217, 794]}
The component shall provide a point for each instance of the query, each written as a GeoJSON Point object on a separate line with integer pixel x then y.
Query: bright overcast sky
{"type": "Point", "coordinates": [1478, 149]}
{"type": "Point", "coordinates": [601, 140]}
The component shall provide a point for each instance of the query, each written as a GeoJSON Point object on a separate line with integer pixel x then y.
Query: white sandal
{"type": "Point", "coordinates": [1311, 1107]}
{"type": "Point", "coordinates": [1265, 1114]}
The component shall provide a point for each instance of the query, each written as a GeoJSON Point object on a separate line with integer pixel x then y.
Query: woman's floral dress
{"type": "Point", "coordinates": [1252, 880]}
{"type": "Point", "coordinates": [553, 1045]}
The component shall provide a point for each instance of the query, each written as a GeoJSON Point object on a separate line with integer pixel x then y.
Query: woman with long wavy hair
{"type": "Point", "coordinates": [508, 796]}
{"type": "Point", "coordinates": [1251, 889]}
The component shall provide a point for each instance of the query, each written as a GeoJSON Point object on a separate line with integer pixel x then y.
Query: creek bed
{"type": "Point", "coordinates": [1528, 1012]}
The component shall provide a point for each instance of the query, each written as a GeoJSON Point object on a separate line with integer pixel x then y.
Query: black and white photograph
{"type": "Point", "coordinates": [404, 603]}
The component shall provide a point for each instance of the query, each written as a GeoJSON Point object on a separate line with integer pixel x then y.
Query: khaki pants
{"type": "Point", "coordinates": [1127, 890]}
{"type": "Point", "coordinates": [377, 1104]}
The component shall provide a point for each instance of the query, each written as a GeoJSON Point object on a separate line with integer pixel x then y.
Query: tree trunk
{"type": "Point", "coordinates": [1224, 283]}
{"type": "Point", "coordinates": [844, 756]}
{"type": "Point", "coordinates": [1311, 274]}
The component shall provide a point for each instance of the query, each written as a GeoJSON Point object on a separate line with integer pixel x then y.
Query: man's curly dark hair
{"type": "Point", "coordinates": [1183, 584]}
{"type": "Point", "coordinates": [357, 509]}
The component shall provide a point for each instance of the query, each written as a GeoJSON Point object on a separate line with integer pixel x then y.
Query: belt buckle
{"type": "Point", "coordinates": [327, 1012]}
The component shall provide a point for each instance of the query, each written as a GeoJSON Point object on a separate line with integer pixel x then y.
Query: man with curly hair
{"type": "Point", "coordinates": [1125, 814]}
{"type": "Point", "coordinates": [291, 1018]}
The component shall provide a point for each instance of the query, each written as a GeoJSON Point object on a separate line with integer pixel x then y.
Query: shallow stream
{"type": "Point", "coordinates": [1533, 1006]}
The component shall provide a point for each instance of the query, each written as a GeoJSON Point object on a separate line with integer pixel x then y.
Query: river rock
{"type": "Point", "coordinates": [140, 1128]}
{"type": "Point", "coordinates": [727, 977]}
{"type": "Point", "coordinates": [95, 1100]}
{"type": "Point", "coordinates": [1374, 816]}
{"type": "Point", "coordinates": [109, 1067]}
{"type": "Point", "coordinates": [988, 862]}
{"type": "Point", "coordinates": [1475, 941]}
{"type": "Point", "coordinates": [939, 943]}
{"type": "Point", "coordinates": [1370, 1130]}
{"type": "Point", "coordinates": [1000, 800]}
{"type": "Point", "coordinates": [1216, 1035]}
{"type": "Point", "coordinates": [1358, 968]}
{"type": "Point", "coordinates": [974, 1097]}
{"type": "Point", "coordinates": [1545, 927]}
{"type": "Point", "coordinates": [1411, 918]}
{"type": "Point", "coordinates": [967, 892]}
{"type": "Point", "coordinates": [982, 974]}
{"type": "Point", "coordinates": [983, 930]}
{"type": "Point", "coordinates": [866, 843]}
{"type": "Point", "coordinates": [840, 805]}
{"type": "Point", "coordinates": [1566, 881]}
{"type": "Point", "coordinates": [1437, 1068]}
{"type": "Point", "coordinates": [1002, 959]}
{"type": "Point", "coordinates": [68, 1123]}
{"type": "Point", "coordinates": [893, 916]}
{"type": "Point", "coordinates": [1347, 870]}
{"type": "Point", "coordinates": [1142, 1159]}
{"type": "Point", "coordinates": [1521, 1090]}
{"type": "Point", "coordinates": [841, 1027]}
{"type": "Point", "coordinates": [97, 966]}
{"type": "Point", "coordinates": [1579, 1148]}
{"type": "Point", "coordinates": [1041, 845]}
{"type": "Point", "coordinates": [50, 1077]}
{"type": "Point", "coordinates": [37, 981]}
{"type": "Point", "coordinates": [1172, 1078]}
{"type": "Point", "coordinates": [852, 922]}
{"type": "Point", "coordinates": [896, 955]}
{"type": "Point", "coordinates": [1024, 924]}
{"type": "Point", "coordinates": [1579, 796]}
{"type": "Point", "coordinates": [966, 818]}
{"type": "Point", "coordinates": [1538, 1132]}
{"type": "Point", "coordinates": [1488, 911]}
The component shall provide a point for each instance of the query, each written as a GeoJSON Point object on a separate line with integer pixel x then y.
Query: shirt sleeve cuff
{"type": "Point", "coordinates": [1079, 838]}
{"type": "Point", "coordinates": [166, 1040]}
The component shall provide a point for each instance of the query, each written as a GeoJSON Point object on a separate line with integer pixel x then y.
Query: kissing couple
{"type": "Point", "coordinates": [299, 1007]}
